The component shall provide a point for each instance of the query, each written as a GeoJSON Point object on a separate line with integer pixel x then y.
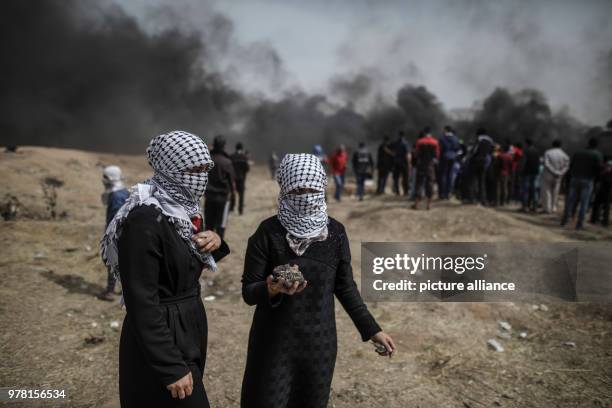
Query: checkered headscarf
{"type": "Point", "coordinates": [171, 155]}
{"type": "Point", "coordinates": [173, 190]}
{"type": "Point", "coordinates": [304, 216]}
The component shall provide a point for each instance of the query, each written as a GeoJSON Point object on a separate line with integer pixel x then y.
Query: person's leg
{"type": "Point", "coordinates": [482, 185]}
{"type": "Point", "coordinates": [429, 186]}
{"type": "Point", "coordinates": [240, 186]}
{"type": "Point", "coordinates": [606, 206]}
{"type": "Point", "coordinates": [570, 198]}
{"type": "Point", "coordinates": [111, 282]}
{"type": "Point", "coordinates": [547, 187]}
{"type": "Point", "coordinates": [418, 186]}
{"type": "Point", "coordinates": [384, 175]}
{"type": "Point", "coordinates": [586, 186]}
{"type": "Point", "coordinates": [360, 179]}
{"type": "Point", "coordinates": [338, 185]}
{"type": "Point", "coordinates": [405, 181]}
{"type": "Point", "coordinates": [444, 180]}
{"type": "Point", "coordinates": [595, 211]}
{"type": "Point", "coordinates": [396, 174]}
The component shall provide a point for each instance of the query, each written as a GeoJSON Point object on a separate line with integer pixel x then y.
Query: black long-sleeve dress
{"type": "Point", "coordinates": [292, 343]}
{"type": "Point", "coordinates": [165, 331]}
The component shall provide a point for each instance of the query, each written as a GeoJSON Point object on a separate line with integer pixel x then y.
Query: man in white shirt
{"type": "Point", "coordinates": [556, 164]}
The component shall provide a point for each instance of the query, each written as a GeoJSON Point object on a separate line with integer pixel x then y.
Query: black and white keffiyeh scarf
{"type": "Point", "coordinates": [174, 190]}
{"type": "Point", "coordinates": [304, 216]}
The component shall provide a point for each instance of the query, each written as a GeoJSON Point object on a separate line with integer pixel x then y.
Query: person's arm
{"type": "Point", "coordinates": [256, 270]}
{"type": "Point", "coordinates": [348, 295]}
{"type": "Point", "coordinates": [140, 257]}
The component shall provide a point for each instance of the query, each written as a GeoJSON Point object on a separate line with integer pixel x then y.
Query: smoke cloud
{"type": "Point", "coordinates": [89, 75]}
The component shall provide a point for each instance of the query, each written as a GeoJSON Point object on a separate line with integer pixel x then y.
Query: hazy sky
{"type": "Point", "coordinates": [461, 50]}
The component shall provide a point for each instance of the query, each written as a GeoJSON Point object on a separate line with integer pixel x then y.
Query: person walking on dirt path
{"type": "Point", "coordinates": [426, 153]}
{"type": "Point", "coordinates": [449, 152]}
{"type": "Point", "coordinates": [240, 161]}
{"type": "Point", "coordinates": [221, 189]}
{"type": "Point", "coordinates": [384, 163]}
{"type": "Point", "coordinates": [504, 182]}
{"type": "Point", "coordinates": [603, 196]}
{"type": "Point", "coordinates": [401, 164]}
{"type": "Point", "coordinates": [292, 343]}
{"type": "Point", "coordinates": [363, 166]}
{"type": "Point", "coordinates": [529, 170]}
{"type": "Point", "coordinates": [479, 160]}
{"type": "Point", "coordinates": [338, 166]}
{"type": "Point", "coordinates": [273, 165]}
{"type": "Point", "coordinates": [556, 164]}
{"type": "Point", "coordinates": [113, 198]}
{"type": "Point", "coordinates": [585, 166]}
{"type": "Point", "coordinates": [156, 246]}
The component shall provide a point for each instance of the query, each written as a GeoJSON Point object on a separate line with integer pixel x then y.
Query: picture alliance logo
{"type": "Point", "coordinates": [415, 264]}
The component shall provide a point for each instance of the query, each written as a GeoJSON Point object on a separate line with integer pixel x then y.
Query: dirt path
{"type": "Point", "coordinates": [56, 333]}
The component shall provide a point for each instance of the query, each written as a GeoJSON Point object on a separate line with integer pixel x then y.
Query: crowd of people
{"type": "Point", "coordinates": [485, 172]}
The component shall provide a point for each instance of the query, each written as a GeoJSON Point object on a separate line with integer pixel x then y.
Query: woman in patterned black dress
{"type": "Point", "coordinates": [292, 343]}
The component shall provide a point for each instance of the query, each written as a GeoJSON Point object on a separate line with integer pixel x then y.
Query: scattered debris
{"type": "Point", "coordinates": [544, 308]}
{"type": "Point", "coordinates": [504, 335]}
{"type": "Point", "coordinates": [219, 293]}
{"type": "Point", "coordinates": [570, 344]}
{"type": "Point", "coordinates": [39, 256]}
{"type": "Point", "coordinates": [93, 340]}
{"type": "Point", "coordinates": [94, 324]}
{"type": "Point", "coordinates": [495, 345]}
{"type": "Point", "coordinates": [114, 324]}
{"type": "Point", "coordinates": [210, 298]}
{"type": "Point", "coordinates": [504, 325]}
{"type": "Point", "coordinates": [87, 248]}
{"type": "Point", "coordinates": [523, 335]}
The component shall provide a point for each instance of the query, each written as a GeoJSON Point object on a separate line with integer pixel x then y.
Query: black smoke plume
{"type": "Point", "coordinates": [78, 74]}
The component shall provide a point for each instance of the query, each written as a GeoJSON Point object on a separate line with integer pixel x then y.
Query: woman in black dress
{"type": "Point", "coordinates": [155, 247]}
{"type": "Point", "coordinates": [292, 343]}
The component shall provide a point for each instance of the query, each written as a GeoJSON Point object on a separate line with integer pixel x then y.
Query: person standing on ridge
{"type": "Point", "coordinates": [363, 165]}
{"type": "Point", "coordinates": [338, 165]}
{"type": "Point", "coordinates": [449, 151]}
{"type": "Point", "coordinates": [426, 152]}
{"type": "Point", "coordinates": [221, 187]}
{"type": "Point", "coordinates": [113, 198]}
{"type": "Point", "coordinates": [240, 161]}
{"type": "Point", "coordinates": [401, 164]}
{"type": "Point", "coordinates": [384, 162]}
{"type": "Point", "coordinates": [556, 164]}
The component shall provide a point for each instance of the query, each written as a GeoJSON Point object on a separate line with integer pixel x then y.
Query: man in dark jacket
{"type": "Point", "coordinates": [585, 166]}
{"type": "Point", "coordinates": [384, 161]}
{"type": "Point", "coordinates": [529, 169]}
{"type": "Point", "coordinates": [479, 161]}
{"type": "Point", "coordinates": [240, 162]}
{"type": "Point", "coordinates": [363, 165]}
{"type": "Point", "coordinates": [401, 164]}
{"type": "Point", "coordinates": [449, 150]}
{"type": "Point", "coordinates": [221, 186]}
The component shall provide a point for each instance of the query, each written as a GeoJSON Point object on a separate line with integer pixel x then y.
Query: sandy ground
{"type": "Point", "coordinates": [55, 333]}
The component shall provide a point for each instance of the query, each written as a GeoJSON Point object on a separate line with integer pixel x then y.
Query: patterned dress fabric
{"type": "Point", "coordinates": [292, 342]}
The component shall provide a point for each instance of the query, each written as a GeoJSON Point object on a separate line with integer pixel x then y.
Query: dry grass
{"type": "Point", "coordinates": [49, 315]}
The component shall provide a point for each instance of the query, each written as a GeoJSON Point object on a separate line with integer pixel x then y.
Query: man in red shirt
{"type": "Point", "coordinates": [505, 164]}
{"type": "Point", "coordinates": [427, 152]}
{"type": "Point", "coordinates": [338, 165]}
